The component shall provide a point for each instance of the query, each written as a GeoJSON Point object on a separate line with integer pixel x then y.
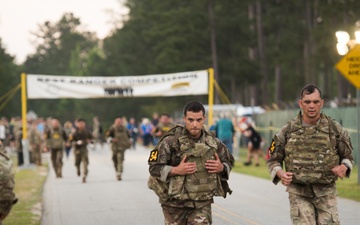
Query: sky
{"type": "Point", "coordinates": [18, 18]}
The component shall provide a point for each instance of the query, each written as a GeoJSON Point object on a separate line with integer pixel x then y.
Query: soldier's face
{"type": "Point", "coordinates": [81, 125]}
{"type": "Point", "coordinates": [311, 105]}
{"type": "Point", "coordinates": [194, 122]}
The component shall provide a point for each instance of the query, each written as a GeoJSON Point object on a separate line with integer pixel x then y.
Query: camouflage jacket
{"type": "Point", "coordinates": [120, 137]}
{"type": "Point", "coordinates": [278, 154]}
{"type": "Point", "coordinates": [7, 195]}
{"type": "Point", "coordinates": [168, 154]}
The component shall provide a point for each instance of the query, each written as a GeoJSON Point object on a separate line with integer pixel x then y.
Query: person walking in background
{"type": "Point", "coordinates": [56, 138]}
{"type": "Point", "coordinates": [224, 130]}
{"type": "Point", "coordinates": [254, 146]}
{"type": "Point", "coordinates": [80, 138]}
{"type": "Point", "coordinates": [134, 130]}
{"type": "Point", "coordinates": [189, 158]}
{"type": "Point", "coordinates": [68, 128]}
{"type": "Point", "coordinates": [120, 141]}
{"type": "Point", "coordinates": [163, 125]}
{"type": "Point", "coordinates": [2, 130]}
{"type": "Point", "coordinates": [315, 151]}
{"type": "Point", "coordinates": [97, 132]}
{"type": "Point", "coordinates": [35, 142]}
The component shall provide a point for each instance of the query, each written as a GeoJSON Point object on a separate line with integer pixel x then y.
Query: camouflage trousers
{"type": "Point", "coordinates": [81, 156]}
{"type": "Point", "coordinates": [187, 216]}
{"type": "Point", "coordinates": [118, 157]}
{"type": "Point", "coordinates": [5, 208]}
{"type": "Point", "coordinates": [314, 211]}
{"type": "Point", "coordinates": [56, 159]}
{"type": "Point", "coordinates": [36, 154]}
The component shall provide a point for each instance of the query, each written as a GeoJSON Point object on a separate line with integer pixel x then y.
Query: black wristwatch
{"type": "Point", "coordinates": [347, 166]}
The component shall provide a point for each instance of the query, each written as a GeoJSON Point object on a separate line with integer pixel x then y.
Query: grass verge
{"type": "Point", "coordinates": [28, 189]}
{"type": "Point", "coordinates": [347, 188]}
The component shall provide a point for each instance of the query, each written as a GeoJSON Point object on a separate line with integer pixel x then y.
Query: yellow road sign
{"type": "Point", "coordinates": [349, 66]}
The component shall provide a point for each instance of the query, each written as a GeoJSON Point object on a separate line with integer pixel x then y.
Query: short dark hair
{"type": "Point", "coordinates": [81, 120]}
{"type": "Point", "coordinates": [194, 106]}
{"type": "Point", "coordinates": [309, 89]}
{"type": "Point", "coordinates": [165, 114]}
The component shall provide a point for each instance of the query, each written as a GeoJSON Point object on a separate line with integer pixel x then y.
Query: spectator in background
{"type": "Point", "coordinates": [133, 130]}
{"type": "Point", "coordinates": [145, 128]}
{"type": "Point", "coordinates": [18, 145]}
{"type": "Point", "coordinates": [11, 135]}
{"type": "Point", "coordinates": [213, 125]}
{"type": "Point", "coordinates": [225, 132]}
{"type": "Point", "coordinates": [97, 131]}
{"type": "Point", "coordinates": [69, 129]}
{"type": "Point", "coordinates": [155, 119]}
{"type": "Point", "coordinates": [2, 130]}
{"type": "Point", "coordinates": [254, 146]}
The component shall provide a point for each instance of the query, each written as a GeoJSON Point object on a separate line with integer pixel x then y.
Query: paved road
{"type": "Point", "coordinates": [104, 200]}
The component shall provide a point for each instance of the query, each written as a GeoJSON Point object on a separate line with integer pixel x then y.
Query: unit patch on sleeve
{"type": "Point", "coordinates": [272, 146]}
{"type": "Point", "coordinates": [153, 155]}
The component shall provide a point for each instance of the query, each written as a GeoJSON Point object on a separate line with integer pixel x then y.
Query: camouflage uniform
{"type": "Point", "coordinates": [163, 128]}
{"type": "Point", "coordinates": [187, 199]}
{"type": "Point", "coordinates": [80, 139]}
{"type": "Point", "coordinates": [35, 143]}
{"type": "Point", "coordinates": [56, 138]}
{"type": "Point", "coordinates": [119, 143]}
{"type": "Point", "coordinates": [7, 195]}
{"type": "Point", "coordinates": [310, 152]}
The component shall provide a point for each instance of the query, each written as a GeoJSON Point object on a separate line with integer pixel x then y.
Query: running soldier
{"type": "Point", "coordinates": [120, 141]}
{"type": "Point", "coordinates": [80, 138]}
{"type": "Point", "coordinates": [56, 138]}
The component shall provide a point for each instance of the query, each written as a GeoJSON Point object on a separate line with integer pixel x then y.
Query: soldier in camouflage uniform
{"type": "Point", "coordinates": [315, 151]}
{"type": "Point", "coordinates": [56, 138]}
{"type": "Point", "coordinates": [35, 143]}
{"type": "Point", "coordinates": [188, 167]}
{"type": "Point", "coordinates": [162, 127]}
{"type": "Point", "coordinates": [80, 138]}
{"type": "Point", "coordinates": [7, 195]}
{"type": "Point", "coordinates": [120, 141]}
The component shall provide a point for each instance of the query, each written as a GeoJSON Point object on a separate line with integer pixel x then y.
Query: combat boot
{"type": "Point", "coordinates": [84, 179]}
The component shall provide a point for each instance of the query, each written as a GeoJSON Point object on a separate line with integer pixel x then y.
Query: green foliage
{"type": "Point", "coordinates": [293, 37]}
{"type": "Point", "coordinates": [9, 78]}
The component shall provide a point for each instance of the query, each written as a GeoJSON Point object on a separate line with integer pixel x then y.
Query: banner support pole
{"type": "Point", "coordinates": [211, 96]}
{"type": "Point", "coordinates": [25, 143]}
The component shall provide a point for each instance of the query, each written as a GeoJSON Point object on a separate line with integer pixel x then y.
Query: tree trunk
{"type": "Point", "coordinates": [213, 46]}
{"type": "Point", "coordinates": [277, 93]}
{"type": "Point", "coordinates": [262, 58]}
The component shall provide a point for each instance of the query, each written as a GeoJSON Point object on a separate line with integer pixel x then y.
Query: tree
{"type": "Point", "coordinates": [10, 78]}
